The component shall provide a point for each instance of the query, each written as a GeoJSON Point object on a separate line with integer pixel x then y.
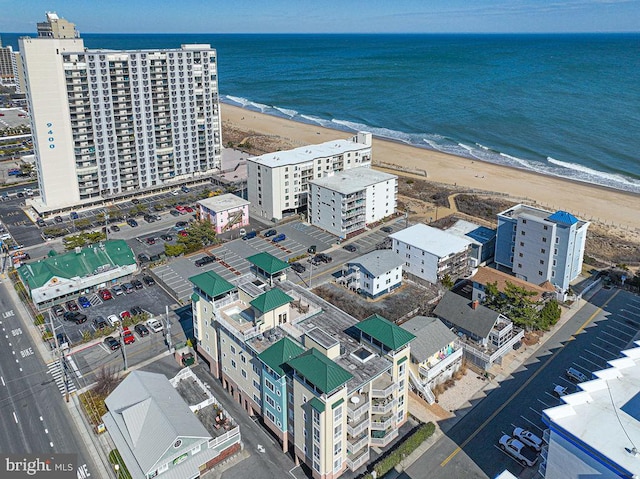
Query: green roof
{"type": "Point", "coordinates": [388, 333]}
{"type": "Point", "coordinates": [279, 353]}
{"type": "Point", "coordinates": [89, 261]}
{"type": "Point", "coordinates": [319, 370]}
{"type": "Point", "coordinates": [268, 263]}
{"type": "Point", "coordinates": [270, 300]}
{"type": "Point", "coordinates": [195, 297]}
{"type": "Point", "coordinates": [317, 404]}
{"type": "Point", "coordinates": [211, 283]}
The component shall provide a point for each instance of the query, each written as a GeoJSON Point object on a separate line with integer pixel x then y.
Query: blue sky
{"type": "Point", "coordinates": [327, 16]}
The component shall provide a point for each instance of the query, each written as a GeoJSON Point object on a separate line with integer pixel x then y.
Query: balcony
{"type": "Point", "coordinates": [359, 428]}
{"type": "Point", "coordinates": [356, 444]}
{"type": "Point", "coordinates": [381, 406]}
{"type": "Point", "coordinates": [383, 387]}
{"type": "Point", "coordinates": [382, 424]}
{"type": "Point", "coordinates": [430, 371]}
{"type": "Point", "coordinates": [358, 408]}
{"type": "Point", "coordinates": [383, 440]}
{"type": "Point", "coordinates": [355, 463]}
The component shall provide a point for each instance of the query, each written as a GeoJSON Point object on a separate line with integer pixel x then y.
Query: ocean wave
{"type": "Point", "coordinates": [286, 111]}
{"type": "Point", "coordinates": [595, 176]}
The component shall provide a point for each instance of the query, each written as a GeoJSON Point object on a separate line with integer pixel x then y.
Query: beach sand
{"type": "Point", "coordinates": [603, 205]}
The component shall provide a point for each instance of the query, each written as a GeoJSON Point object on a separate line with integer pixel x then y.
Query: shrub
{"type": "Point", "coordinates": [410, 444]}
{"type": "Point", "coordinates": [38, 320]}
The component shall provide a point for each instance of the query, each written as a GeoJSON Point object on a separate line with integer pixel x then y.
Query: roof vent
{"type": "Point", "coordinates": [78, 249]}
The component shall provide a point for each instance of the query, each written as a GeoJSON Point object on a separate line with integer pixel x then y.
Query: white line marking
{"type": "Point", "coordinates": [15, 417]}
{"type": "Point", "coordinates": [46, 431]}
{"type": "Point", "coordinates": [3, 383]}
{"type": "Point", "coordinates": [41, 419]}
{"type": "Point", "coordinates": [599, 366]}
{"type": "Point", "coordinates": [74, 366]}
{"type": "Point", "coordinates": [51, 444]}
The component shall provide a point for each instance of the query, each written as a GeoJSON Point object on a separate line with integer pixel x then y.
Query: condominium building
{"type": "Point", "coordinates": [225, 212]}
{"type": "Point", "coordinates": [344, 203]}
{"type": "Point", "coordinates": [278, 183]}
{"type": "Point", "coordinates": [11, 69]}
{"type": "Point", "coordinates": [56, 27]}
{"type": "Point", "coordinates": [329, 387]}
{"type": "Point", "coordinates": [112, 124]}
{"type": "Point", "coordinates": [430, 254]}
{"type": "Point", "coordinates": [537, 245]}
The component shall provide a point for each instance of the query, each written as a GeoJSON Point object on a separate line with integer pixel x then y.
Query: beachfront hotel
{"type": "Point", "coordinates": [329, 387]}
{"type": "Point", "coordinates": [11, 69]}
{"type": "Point", "coordinates": [278, 183]}
{"type": "Point", "coordinates": [344, 203]}
{"type": "Point", "coordinates": [110, 125]}
{"type": "Point", "coordinates": [538, 245]}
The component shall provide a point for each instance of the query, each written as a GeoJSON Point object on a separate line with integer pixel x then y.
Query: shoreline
{"type": "Point", "coordinates": [585, 200]}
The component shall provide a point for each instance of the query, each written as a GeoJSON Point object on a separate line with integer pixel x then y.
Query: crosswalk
{"type": "Point", "coordinates": [57, 374]}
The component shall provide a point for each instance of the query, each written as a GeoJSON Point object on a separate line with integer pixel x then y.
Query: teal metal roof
{"type": "Point", "coordinates": [388, 333]}
{"type": "Point", "coordinates": [317, 404]}
{"type": "Point", "coordinates": [211, 283]}
{"type": "Point", "coordinates": [268, 263]}
{"type": "Point", "coordinates": [279, 353]}
{"type": "Point", "coordinates": [319, 370]}
{"type": "Point", "coordinates": [270, 300]}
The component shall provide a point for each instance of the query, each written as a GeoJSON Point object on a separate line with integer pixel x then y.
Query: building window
{"type": "Point", "coordinates": [544, 240]}
{"type": "Point", "coordinates": [243, 359]}
{"type": "Point", "coordinates": [540, 273]}
{"type": "Point", "coordinates": [233, 350]}
{"type": "Point", "coordinates": [522, 233]}
{"type": "Point", "coordinates": [545, 227]}
{"type": "Point", "coordinates": [244, 374]}
{"type": "Point", "coordinates": [543, 251]}
{"type": "Point", "coordinates": [524, 222]}
{"type": "Point", "coordinates": [337, 431]}
{"type": "Point", "coordinates": [233, 364]}
{"type": "Point", "coordinates": [541, 261]}
{"type": "Point", "coordinates": [521, 243]}
{"type": "Point", "coordinates": [270, 401]}
{"type": "Point", "coordinates": [337, 448]}
{"type": "Point", "coordinates": [269, 385]}
{"type": "Point", "coordinates": [519, 265]}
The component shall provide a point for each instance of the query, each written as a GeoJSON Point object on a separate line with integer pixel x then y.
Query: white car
{"type": "Point", "coordinates": [154, 325]}
{"type": "Point", "coordinates": [113, 320]}
{"type": "Point", "coordinates": [175, 192]}
{"type": "Point", "coordinates": [528, 438]}
{"type": "Point", "coordinates": [523, 454]}
{"type": "Point", "coordinates": [560, 391]}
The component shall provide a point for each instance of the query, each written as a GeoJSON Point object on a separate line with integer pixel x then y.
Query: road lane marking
{"type": "Point", "coordinates": [3, 383]}
{"type": "Point", "coordinates": [15, 418]}
{"type": "Point", "coordinates": [524, 385]}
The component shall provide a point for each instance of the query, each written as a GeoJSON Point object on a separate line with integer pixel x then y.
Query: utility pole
{"type": "Point", "coordinates": [61, 362]}
{"type": "Point", "coordinates": [123, 346]}
{"type": "Point", "coordinates": [168, 324]}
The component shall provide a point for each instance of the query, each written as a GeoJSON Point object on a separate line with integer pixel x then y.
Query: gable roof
{"type": "Point", "coordinates": [433, 240]}
{"type": "Point", "coordinates": [319, 370]}
{"type": "Point", "coordinates": [211, 283]}
{"type": "Point", "coordinates": [486, 275]}
{"type": "Point", "coordinates": [388, 333]}
{"type": "Point", "coordinates": [268, 263]}
{"type": "Point", "coordinates": [378, 262]}
{"type": "Point", "coordinates": [88, 261]}
{"type": "Point", "coordinates": [458, 311]}
{"type": "Point", "coordinates": [150, 415]}
{"type": "Point", "coordinates": [276, 355]}
{"type": "Point", "coordinates": [431, 336]}
{"type": "Point", "coordinates": [270, 300]}
{"type": "Point", "coordinates": [563, 218]}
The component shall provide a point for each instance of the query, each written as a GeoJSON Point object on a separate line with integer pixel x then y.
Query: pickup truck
{"type": "Point", "coordinates": [523, 454]}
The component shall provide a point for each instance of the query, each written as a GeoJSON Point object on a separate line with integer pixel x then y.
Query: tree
{"type": "Point", "coordinates": [515, 303]}
{"type": "Point", "coordinates": [201, 232]}
{"type": "Point", "coordinates": [446, 281]}
{"type": "Point", "coordinates": [550, 314]}
{"type": "Point", "coordinates": [174, 249]}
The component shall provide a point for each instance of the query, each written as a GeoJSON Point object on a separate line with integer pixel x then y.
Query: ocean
{"type": "Point", "coordinates": [563, 105]}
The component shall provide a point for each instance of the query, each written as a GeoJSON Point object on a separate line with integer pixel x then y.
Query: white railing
{"type": "Point", "coordinates": [383, 393]}
{"type": "Point", "coordinates": [382, 425]}
{"type": "Point", "coordinates": [384, 441]}
{"type": "Point", "coordinates": [358, 411]}
{"type": "Point", "coordinates": [358, 462]}
{"type": "Point", "coordinates": [225, 437]}
{"type": "Point", "coordinates": [440, 366]}
{"type": "Point", "coordinates": [384, 407]}
{"type": "Point", "coordinates": [353, 447]}
{"type": "Point", "coordinates": [355, 431]}
{"type": "Point", "coordinates": [425, 390]}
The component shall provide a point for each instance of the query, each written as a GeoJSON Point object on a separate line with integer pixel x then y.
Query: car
{"type": "Point", "coordinates": [58, 219]}
{"type": "Point", "coordinates": [100, 323]}
{"type": "Point", "coordinates": [149, 218]}
{"type": "Point", "coordinates": [242, 231]}
{"type": "Point", "coordinates": [148, 280]}
{"type": "Point", "coordinates": [181, 224]}
{"type": "Point", "coordinates": [125, 315]}
{"type": "Point", "coordinates": [351, 248]}
{"type": "Point", "coordinates": [142, 330]}
{"type": "Point", "coordinates": [270, 233]}
{"type": "Point", "coordinates": [128, 288]}
{"type": "Point", "coordinates": [278, 238]}
{"type": "Point", "coordinates": [386, 229]}
{"type": "Point", "coordinates": [112, 343]}
{"type": "Point", "coordinates": [166, 237]}
{"type": "Point", "coordinates": [117, 290]}
{"type": "Point", "coordinates": [181, 209]}
{"type": "Point", "coordinates": [71, 305]}
{"type": "Point", "coordinates": [204, 260]}
{"type": "Point", "coordinates": [298, 268]}
{"type": "Point", "coordinates": [174, 212]}
{"type": "Point", "coordinates": [560, 391]}
{"type": "Point", "coordinates": [131, 222]}
{"type": "Point", "coordinates": [154, 257]}
{"type": "Point", "coordinates": [154, 325]}
{"type": "Point", "coordinates": [144, 258]}
{"type": "Point", "coordinates": [41, 223]}
{"type": "Point", "coordinates": [127, 336]}
{"type": "Point", "coordinates": [528, 438]}
{"type": "Point", "coordinates": [62, 339]}
{"type": "Point", "coordinates": [135, 201]}
{"type": "Point", "coordinates": [73, 215]}
{"type": "Point", "coordinates": [576, 376]}
{"type": "Point", "coordinates": [312, 249]}
{"type": "Point", "coordinates": [84, 302]}
{"type": "Point", "coordinates": [137, 283]}
{"type": "Point", "coordinates": [183, 233]}
{"type": "Point", "coordinates": [113, 320]}
{"type": "Point", "coordinates": [136, 310]}
{"type": "Point", "coordinates": [249, 235]}
{"type": "Point", "coordinates": [105, 294]}
{"type": "Point", "coordinates": [151, 240]}
{"type": "Point", "coordinates": [114, 228]}
{"type": "Point", "coordinates": [323, 258]}
{"type": "Point", "coordinates": [520, 452]}
{"type": "Point", "coordinates": [175, 192]}
{"type": "Point", "coordinates": [188, 209]}
{"type": "Point", "coordinates": [185, 189]}
{"type": "Point", "coordinates": [74, 316]}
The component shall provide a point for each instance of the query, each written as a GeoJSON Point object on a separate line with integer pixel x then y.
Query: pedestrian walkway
{"type": "Point", "coordinates": [58, 375]}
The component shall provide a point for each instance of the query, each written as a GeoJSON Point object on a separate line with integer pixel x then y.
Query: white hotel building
{"type": "Point", "coordinates": [111, 124]}
{"type": "Point", "coordinates": [278, 183]}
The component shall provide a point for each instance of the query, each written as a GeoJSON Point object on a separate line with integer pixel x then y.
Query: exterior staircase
{"type": "Point", "coordinates": [426, 392]}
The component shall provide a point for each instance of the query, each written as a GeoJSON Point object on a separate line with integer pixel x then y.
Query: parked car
{"type": "Point", "coordinates": [249, 235]}
{"type": "Point", "coordinates": [278, 238]}
{"type": "Point", "coordinates": [62, 339]}
{"type": "Point", "coordinates": [166, 237]}
{"type": "Point", "coordinates": [105, 294]}
{"type": "Point", "coordinates": [76, 317]}
{"type": "Point", "coordinates": [298, 268]}
{"type": "Point", "coordinates": [312, 249]}
{"type": "Point", "coordinates": [204, 260]}
{"type": "Point", "coordinates": [135, 201]}
{"type": "Point", "coordinates": [323, 258]}
{"type": "Point", "coordinates": [144, 258]}
{"type": "Point", "coordinates": [142, 330]}
{"type": "Point", "coordinates": [183, 233]}
{"type": "Point", "coordinates": [125, 315]}
{"type": "Point", "coordinates": [185, 189]}
{"type": "Point", "coordinates": [270, 233]}
{"type": "Point", "coordinates": [137, 283]}
{"type": "Point", "coordinates": [174, 212]}
{"type": "Point", "coordinates": [528, 438]}
{"type": "Point", "coordinates": [351, 248]}
{"type": "Point", "coordinates": [58, 310]}
{"type": "Point", "coordinates": [386, 229]}
{"type": "Point", "coordinates": [560, 391]}
{"type": "Point", "coordinates": [149, 218]}
{"type": "Point", "coordinates": [100, 323]}
{"type": "Point", "coordinates": [114, 228]}
{"type": "Point", "coordinates": [148, 280]}
{"type": "Point", "coordinates": [73, 215]}
{"type": "Point", "coordinates": [58, 219]}
{"type": "Point", "coordinates": [117, 290]}
{"type": "Point", "coordinates": [71, 305]}
{"type": "Point", "coordinates": [154, 325]}
{"type": "Point", "coordinates": [41, 223]}
{"type": "Point", "coordinates": [113, 320]}
{"type": "Point", "coordinates": [127, 336]}
{"type": "Point", "coordinates": [181, 224]}
{"type": "Point", "coordinates": [576, 376]}
{"type": "Point", "coordinates": [112, 343]}
{"type": "Point", "coordinates": [136, 310]}
{"type": "Point", "coordinates": [131, 222]}
{"type": "Point", "coordinates": [523, 454]}
{"type": "Point", "coordinates": [175, 192]}
{"type": "Point", "coordinates": [128, 288]}
{"type": "Point", "coordinates": [84, 302]}
{"type": "Point", "coordinates": [181, 209]}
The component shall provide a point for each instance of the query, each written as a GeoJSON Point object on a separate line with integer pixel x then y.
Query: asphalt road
{"type": "Point", "coordinates": [33, 415]}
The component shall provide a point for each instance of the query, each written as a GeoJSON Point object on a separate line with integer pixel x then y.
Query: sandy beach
{"type": "Point", "coordinates": [583, 200]}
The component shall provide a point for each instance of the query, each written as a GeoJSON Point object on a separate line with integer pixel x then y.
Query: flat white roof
{"type": "Point", "coordinates": [353, 180]}
{"type": "Point", "coordinates": [304, 154]}
{"type": "Point", "coordinates": [432, 240]}
{"type": "Point", "coordinates": [223, 202]}
{"type": "Point", "coordinates": [605, 414]}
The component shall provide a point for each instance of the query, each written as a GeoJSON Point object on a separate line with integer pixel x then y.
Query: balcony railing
{"type": "Point", "coordinates": [382, 424]}
{"type": "Point", "coordinates": [355, 411]}
{"type": "Point", "coordinates": [383, 406]}
{"type": "Point", "coordinates": [359, 428]}
{"type": "Point", "coordinates": [357, 444]}
{"type": "Point", "coordinates": [383, 393]}
{"type": "Point", "coordinates": [384, 441]}
{"type": "Point", "coordinates": [359, 461]}
{"type": "Point", "coordinates": [432, 372]}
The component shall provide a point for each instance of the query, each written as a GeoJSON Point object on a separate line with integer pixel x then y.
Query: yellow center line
{"type": "Point", "coordinates": [526, 383]}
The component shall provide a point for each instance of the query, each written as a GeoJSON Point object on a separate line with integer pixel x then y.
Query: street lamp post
{"type": "Point", "coordinates": [116, 467]}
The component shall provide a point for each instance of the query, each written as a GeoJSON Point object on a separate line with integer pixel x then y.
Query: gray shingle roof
{"type": "Point", "coordinates": [378, 262]}
{"type": "Point", "coordinates": [150, 415]}
{"type": "Point", "coordinates": [431, 336]}
{"type": "Point", "coordinates": [458, 311]}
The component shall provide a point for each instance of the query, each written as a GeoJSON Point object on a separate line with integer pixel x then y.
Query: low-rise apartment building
{"type": "Point", "coordinates": [485, 276]}
{"type": "Point", "coordinates": [329, 387]}
{"type": "Point", "coordinates": [278, 183]}
{"type": "Point", "coordinates": [225, 212]}
{"type": "Point", "coordinates": [373, 274]}
{"type": "Point", "coordinates": [345, 203]}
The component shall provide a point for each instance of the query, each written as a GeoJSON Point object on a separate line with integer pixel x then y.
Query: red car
{"type": "Point", "coordinates": [183, 233]}
{"type": "Point", "coordinates": [127, 336]}
{"type": "Point", "coordinates": [105, 294]}
{"type": "Point", "coordinates": [188, 209]}
{"type": "Point", "coordinates": [181, 208]}
{"type": "Point", "coordinates": [125, 315]}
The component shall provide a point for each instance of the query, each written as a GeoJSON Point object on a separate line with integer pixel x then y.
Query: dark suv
{"type": "Point", "coordinates": [269, 233]}
{"type": "Point", "coordinates": [77, 318]}
{"type": "Point", "coordinates": [204, 260]}
{"type": "Point", "coordinates": [100, 323]}
{"type": "Point", "coordinates": [323, 258]}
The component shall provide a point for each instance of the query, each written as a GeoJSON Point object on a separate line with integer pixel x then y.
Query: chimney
{"type": "Point", "coordinates": [474, 304]}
